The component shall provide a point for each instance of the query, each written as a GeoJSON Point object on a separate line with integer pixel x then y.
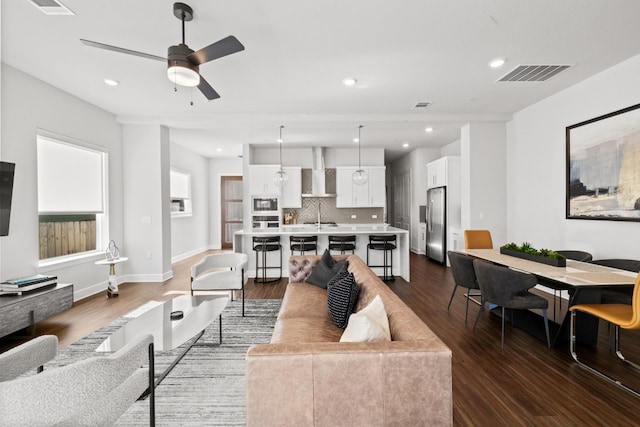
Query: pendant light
{"type": "Point", "coordinates": [280, 178]}
{"type": "Point", "coordinates": [360, 176]}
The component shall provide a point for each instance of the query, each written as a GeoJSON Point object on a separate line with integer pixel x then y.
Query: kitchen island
{"type": "Point", "coordinates": [242, 242]}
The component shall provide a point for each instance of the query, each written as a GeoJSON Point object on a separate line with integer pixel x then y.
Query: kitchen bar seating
{"type": "Point", "coordinates": [342, 243]}
{"type": "Point", "coordinates": [385, 243]}
{"type": "Point", "coordinates": [302, 244]}
{"type": "Point", "coordinates": [262, 245]}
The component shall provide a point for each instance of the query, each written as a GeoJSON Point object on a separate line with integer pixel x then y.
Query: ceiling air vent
{"type": "Point", "coordinates": [533, 73]}
{"type": "Point", "coordinates": [51, 7]}
{"type": "Point", "coordinates": [422, 105]}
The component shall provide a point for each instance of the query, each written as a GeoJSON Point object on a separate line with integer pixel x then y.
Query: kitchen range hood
{"type": "Point", "coordinates": [318, 175]}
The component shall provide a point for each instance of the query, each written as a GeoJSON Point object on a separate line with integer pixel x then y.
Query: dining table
{"type": "Point", "coordinates": [582, 280]}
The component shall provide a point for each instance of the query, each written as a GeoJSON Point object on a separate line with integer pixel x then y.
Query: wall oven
{"type": "Point", "coordinates": [265, 222]}
{"type": "Point", "coordinates": [260, 205]}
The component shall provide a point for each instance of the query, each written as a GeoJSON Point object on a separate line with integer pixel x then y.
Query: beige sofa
{"type": "Point", "coordinates": [306, 377]}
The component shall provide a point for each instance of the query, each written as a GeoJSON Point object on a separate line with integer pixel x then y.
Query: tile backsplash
{"type": "Point", "coordinates": [329, 212]}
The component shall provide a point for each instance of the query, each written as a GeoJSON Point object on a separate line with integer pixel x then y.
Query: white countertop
{"type": "Point", "coordinates": [327, 229]}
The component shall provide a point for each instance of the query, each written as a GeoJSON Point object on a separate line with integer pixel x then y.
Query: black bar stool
{"type": "Point", "coordinates": [303, 244]}
{"type": "Point", "coordinates": [386, 243]}
{"type": "Point", "coordinates": [264, 244]}
{"type": "Point", "coordinates": [342, 243]}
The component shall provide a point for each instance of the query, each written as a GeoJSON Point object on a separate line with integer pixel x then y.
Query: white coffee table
{"type": "Point", "coordinates": [155, 318]}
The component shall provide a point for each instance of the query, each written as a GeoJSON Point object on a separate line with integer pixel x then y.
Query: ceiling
{"type": "Point", "coordinates": [297, 52]}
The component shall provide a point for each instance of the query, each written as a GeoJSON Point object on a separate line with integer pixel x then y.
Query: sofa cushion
{"type": "Point", "coordinates": [341, 299]}
{"type": "Point", "coordinates": [324, 270]}
{"type": "Point", "coordinates": [369, 324]}
{"type": "Point", "coordinates": [296, 330]}
{"type": "Point", "coordinates": [304, 300]}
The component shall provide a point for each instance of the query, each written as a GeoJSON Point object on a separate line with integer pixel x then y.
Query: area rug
{"type": "Point", "coordinates": [207, 387]}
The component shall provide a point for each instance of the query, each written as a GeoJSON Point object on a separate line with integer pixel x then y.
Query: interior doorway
{"type": "Point", "coordinates": [402, 201]}
{"type": "Point", "coordinates": [230, 209]}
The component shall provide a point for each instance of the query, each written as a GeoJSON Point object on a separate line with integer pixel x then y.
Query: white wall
{"type": "Point", "coordinates": [190, 234]}
{"type": "Point", "coordinates": [27, 105]}
{"type": "Point", "coordinates": [146, 194]}
{"type": "Point", "coordinates": [218, 168]}
{"type": "Point", "coordinates": [536, 167]}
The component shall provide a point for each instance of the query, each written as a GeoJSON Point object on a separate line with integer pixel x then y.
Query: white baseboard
{"type": "Point", "coordinates": [189, 254]}
{"type": "Point", "coordinates": [147, 277]}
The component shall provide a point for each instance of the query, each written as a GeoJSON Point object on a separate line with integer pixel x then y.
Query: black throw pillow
{"type": "Point", "coordinates": [324, 270]}
{"type": "Point", "coordinates": [341, 299]}
{"type": "Point", "coordinates": [343, 270]}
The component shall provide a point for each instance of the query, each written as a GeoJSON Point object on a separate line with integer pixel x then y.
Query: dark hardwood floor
{"type": "Point", "coordinates": [526, 384]}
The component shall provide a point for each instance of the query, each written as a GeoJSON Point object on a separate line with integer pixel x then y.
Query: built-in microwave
{"type": "Point", "coordinates": [261, 205]}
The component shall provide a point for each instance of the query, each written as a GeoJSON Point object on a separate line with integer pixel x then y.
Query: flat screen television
{"type": "Point", "coordinates": [6, 192]}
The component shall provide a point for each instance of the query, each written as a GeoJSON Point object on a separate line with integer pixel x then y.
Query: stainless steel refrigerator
{"type": "Point", "coordinates": [436, 224]}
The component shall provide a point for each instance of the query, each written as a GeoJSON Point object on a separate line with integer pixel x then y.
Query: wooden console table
{"type": "Point", "coordinates": [23, 311]}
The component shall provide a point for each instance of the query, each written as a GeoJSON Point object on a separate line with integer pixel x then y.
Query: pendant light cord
{"type": "Point", "coordinates": [280, 141]}
{"type": "Point", "coordinates": [359, 165]}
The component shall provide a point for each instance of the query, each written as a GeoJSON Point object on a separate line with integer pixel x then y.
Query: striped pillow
{"type": "Point", "coordinates": [341, 299]}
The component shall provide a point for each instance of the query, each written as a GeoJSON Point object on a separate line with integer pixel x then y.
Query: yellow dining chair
{"type": "Point", "coordinates": [620, 316]}
{"type": "Point", "coordinates": [477, 239]}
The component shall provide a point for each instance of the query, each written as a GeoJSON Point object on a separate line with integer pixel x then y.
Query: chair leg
{"type": "Point", "coordinates": [502, 334]}
{"type": "Point", "coordinates": [546, 326]}
{"type": "Point", "coordinates": [466, 311]}
{"type": "Point", "coordinates": [616, 331]}
{"type": "Point", "coordinates": [220, 328]}
{"type": "Point", "coordinates": [574, 355]}
{"type": "Point", "coordinates": [152, 386]}
{"type": "Point", "coordinates": [452, 294]}
{"type": "Point", "coordinates": [479, 313]}
{"type": "Point", "coordinates": [242, 278]}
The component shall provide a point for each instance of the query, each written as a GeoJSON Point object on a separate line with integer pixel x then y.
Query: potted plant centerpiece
{"type": "Point", "coordinates": [526, 251]}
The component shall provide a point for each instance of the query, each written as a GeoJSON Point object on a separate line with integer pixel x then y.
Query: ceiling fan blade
{"type": "Point", "coordinates": [206, 89]}
{"type": "Point", "coordinates": [224, 47]}
{"type": "Point", "coordinates": [122, 50]}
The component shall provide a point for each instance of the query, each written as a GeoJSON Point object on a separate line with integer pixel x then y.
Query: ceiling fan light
{"type": "Point", "coordinates": [182, 75]}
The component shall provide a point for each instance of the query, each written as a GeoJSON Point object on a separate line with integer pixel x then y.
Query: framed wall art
{"type": "Point", "coordinates": [603, 167]}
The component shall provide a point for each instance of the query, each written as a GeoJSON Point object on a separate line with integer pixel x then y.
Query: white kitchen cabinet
{"type": "Point", "coordinates": [261, 180]}
{"type": "Point", "coordinates": [437, 173]}
{"type": "Point", "coordinates": [371, 194]}
{"type": "Point", "coordinates": [292, 191]}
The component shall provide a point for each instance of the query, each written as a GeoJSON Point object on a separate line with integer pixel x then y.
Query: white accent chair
{"type": "Point", "coordinates": [94, 391]}
{"type": "Point", "coordinates": [220, 272]}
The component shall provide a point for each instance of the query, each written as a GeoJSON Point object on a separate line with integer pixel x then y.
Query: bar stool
{"type": "Point", "coordinates": [342, 243]}
{"type": "Point", "coordinates": [264, 244]}
{"type": "Point", "coordinates": [386, 243]}
{"type": "Point", "coordinates": [303, 244]}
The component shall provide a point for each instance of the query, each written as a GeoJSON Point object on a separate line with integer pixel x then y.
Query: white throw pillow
{"type": "Point", "coordinates": [369, 324]}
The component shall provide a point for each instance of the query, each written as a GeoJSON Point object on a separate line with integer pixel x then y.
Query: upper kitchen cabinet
{"type": "Point", "coordinates": [292, 191]}
{"type": "Point", "coordinates": [350, 195]}
{"type": "Point", "coordinates": [261, 180]}
{"type": "Point", "coordinates": [439, 172]}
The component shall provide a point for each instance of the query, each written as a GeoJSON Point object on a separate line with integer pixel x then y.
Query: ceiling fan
{"type": "Point", "coordinates": [183, 64]}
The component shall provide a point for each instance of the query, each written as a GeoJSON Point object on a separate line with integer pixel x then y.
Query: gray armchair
{"type": "Point", "coordinates": [508, 288]}
{"type": "Point", "coordinates": [94, 391]}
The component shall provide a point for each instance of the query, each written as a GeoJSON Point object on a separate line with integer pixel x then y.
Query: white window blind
{"type": "Point", "coordinates": [70, 178]}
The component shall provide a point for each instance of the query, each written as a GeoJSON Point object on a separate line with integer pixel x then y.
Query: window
{"type": "Point", "coordinates": [180, 193]}
{"type": "Point", "coordinates": [71, 197]}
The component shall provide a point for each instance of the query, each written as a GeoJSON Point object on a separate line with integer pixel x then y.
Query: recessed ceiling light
{"type": "Point", "coordinates": [405, 145]}
{"type": "Point", "coordinates": [356, 140]}
{"type": "Point", "coordinates": [218, 149]}
{"type": "Point", "coordinates": [349, 81]}
{"type": "Point", "coordinates": [111, 82]}
{"type": "Point", "coordinates": [429, 129]}
{"type": "Point", "coordinates": [497, 62]}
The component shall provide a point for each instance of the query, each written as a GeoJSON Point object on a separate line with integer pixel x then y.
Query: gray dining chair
{"type": "Point", "coordinates": [464, 276]}
{"type": "Point", "coordinates": [576, 255]}
{"type": "Point", "coordinates": [508, 288]}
